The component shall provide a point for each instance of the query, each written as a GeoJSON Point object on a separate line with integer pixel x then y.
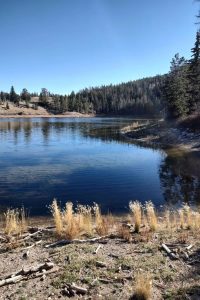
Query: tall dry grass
{"type": "Point", "coordinates": [142, 287]}
{"type": "Point", "coordinates": [57, 216]}
{"type": "Point", "coordinates": [88, 220]}
{"type": "Point", "coordinates": [84, 220]}
{"type": "Point", "coordinates": [102, 223]}
{"type": "Point", "coordinates": [136, 209]}
{"type": "Point", "coordinates": [151, 216]}
{"type": "Point", "coordinates": [15, 221]}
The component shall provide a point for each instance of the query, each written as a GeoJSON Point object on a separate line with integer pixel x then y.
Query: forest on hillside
{"type": "Point", "coordinates": [140, 97]}
{"type": "Point", "coordinates": [173, 95]}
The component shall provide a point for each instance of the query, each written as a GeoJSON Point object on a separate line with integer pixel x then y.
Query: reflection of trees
{"type": "Point", "coordinates": [180, 178]}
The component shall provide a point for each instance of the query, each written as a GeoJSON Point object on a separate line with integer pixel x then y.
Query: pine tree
{"type": "Point", "coordinates": [13, 96]}
{"type": "Point", "coordinates": [25, 95]}
{"type": "Point", "coordinates": [176, 88]}
{"type": "Point", "coordinates": [194, 75]}
{"type": "Point", "coordinates": [44, 95]}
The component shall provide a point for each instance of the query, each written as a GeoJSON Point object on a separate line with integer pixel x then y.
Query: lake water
{"type": "Point", "coordinates": [85, 161]}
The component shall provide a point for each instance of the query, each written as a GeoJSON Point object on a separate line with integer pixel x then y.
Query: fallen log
{"type": "Point", "coordinates": [10, 280]}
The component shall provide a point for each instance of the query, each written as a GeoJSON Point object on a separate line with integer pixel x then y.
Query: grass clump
{"type": "Point", "coordinates": [151, 216]}
{"type": "Point", "coordinates": [57, 216]}
{"type": "Point", "coordinates": [85, 220]}
{"type": "Point", "coordinates": [136, 209]}
{"type": "Point", "coordinates": [15, 221]}
{"type": "Point", "coordinates": [142, 288]}
{"type": "Point", "coordinates": [102, 223]}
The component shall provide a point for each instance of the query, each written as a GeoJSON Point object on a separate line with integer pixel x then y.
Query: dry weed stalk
{"type": "Point", "coordinates": [136, 209]}
{"type": "Point", "coordinates": [57, 215]}
{"type": "Point", "coordinates": [102, 223]}
{"type": "Point", "coordinates": [181, 218]}
{"type": "Point", "coordinates": [188, 216]}
{"type": "Point", "coordinates": [84, 214]}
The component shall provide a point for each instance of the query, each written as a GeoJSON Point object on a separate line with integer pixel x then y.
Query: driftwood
{"type": "Point", "coordinates": [78, 289]}
{"type": "Point", "coordinates": [98, 248]}
{"type": "Point", "coordinates": [30, 235]}
{"type": "Point", "coordinates": [169, 252]}
{"type": "Point", "coordinates": [33, 245]}
{"type": "Point", "coordinates": [101, 264]}
{"type": "Point", "coordinates": [77, 241]}
{"type": "Point", "coordinates": [24, 274]}
{"type": "Point", "coordinates": [189, 247]}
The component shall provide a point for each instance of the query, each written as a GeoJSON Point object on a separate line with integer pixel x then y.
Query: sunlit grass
{"type": "Point", "coordinates": [73, 223]}
{"type": "Point", "coordinates": [136, 209]}
{"type": "Point", "coordinates": [15, 221]}
{"type": "Point", "coordinates": [142, 287]}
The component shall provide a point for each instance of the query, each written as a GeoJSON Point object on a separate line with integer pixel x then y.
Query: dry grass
{"type": "Point", "coordinates": [151, 216]}
{"type": "Point", "coordinates": [57, 216]}
{"type": "Point", "coordinates": [85, 220]}
{"type": "Point", "coordinates": [84, 214]}
{"type": "Point", "coordinates": [102, 223]}
{"type": "Point", "coordinates": [136, 209]}
{"type": "Point", "coordinates": [143, 287]}
{"type": "Point", "coordinates": [89, 221]}
{"type": "Point", "coordinates": [15, 221]}
{"type": "Point", "coordinates": [124, 233]}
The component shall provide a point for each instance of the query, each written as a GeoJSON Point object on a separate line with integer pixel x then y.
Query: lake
{"type": "Point", "coordinates": [86, 160]}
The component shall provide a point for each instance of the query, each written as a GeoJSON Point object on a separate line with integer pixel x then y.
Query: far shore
{"type": "Point", "coordinates": [69, 115]}
{"type": "Point", "coordinates": [165, 135]}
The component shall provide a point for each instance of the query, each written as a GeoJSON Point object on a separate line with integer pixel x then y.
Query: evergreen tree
{"type": "Point", "coordinates": [176, 88]}
{"type": "Point", "coordinates": [13, 96]}
{"type": "Point", "coordinates": [44, 95]}
{"type": "Point", "coordinates": [25, 95]}
{"type": "Point", "coordinates": [194, 75]}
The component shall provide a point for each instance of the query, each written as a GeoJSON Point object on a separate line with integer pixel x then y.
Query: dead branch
{"type": "Point", "coordinates": [98, 248]}
{"type": "Point", "coordinates": [77, 241]}
{"type": "Point", "coordinates": [101, 264]}
{"type": "Point", "coordinates": [24, 274]}
{"type": "Point", "coordinates": [169, 252]}
{"type": "Point", "coordinates": [33, 245]}
{"type": "Point", "coordinates": [78, 289]}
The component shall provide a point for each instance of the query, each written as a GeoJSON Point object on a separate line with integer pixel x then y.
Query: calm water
{"type": "Point", "coordinates": [86, 161]}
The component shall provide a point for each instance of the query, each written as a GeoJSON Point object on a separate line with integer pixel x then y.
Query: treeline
{"type": "Point", "coordinates": [182, 85]}
{"type": "Point", "coordinates": [140, 97]}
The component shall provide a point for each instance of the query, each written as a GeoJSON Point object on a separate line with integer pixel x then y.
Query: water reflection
{"type": "Point", "coordinates": [88, 160]}
{"type": "Point", "coordinates": [180, 178]}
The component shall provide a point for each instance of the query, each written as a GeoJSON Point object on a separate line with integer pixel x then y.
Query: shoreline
{"type": "Point", "coordinates": [103, 264]}
{"type": "Point", "coordinates": [163, 135]}
{"type": "Point", "coordinates": [77, 115]}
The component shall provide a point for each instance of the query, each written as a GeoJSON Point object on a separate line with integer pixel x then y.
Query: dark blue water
{"type": "Point", "coordinates": [81, 160]}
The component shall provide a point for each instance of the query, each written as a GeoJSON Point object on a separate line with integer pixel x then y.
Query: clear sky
{"type": "Point", "coordinates": [67, 45]}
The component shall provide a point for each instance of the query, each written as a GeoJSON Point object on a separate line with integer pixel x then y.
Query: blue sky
{"type": "Point", "coordinates": [67, 45]}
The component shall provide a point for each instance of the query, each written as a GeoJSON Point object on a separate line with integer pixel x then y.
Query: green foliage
{"type": "Point", "coordinates": [194, 75]}
{"type": "Point", "coordinates": [182, 84]}
{"type": "Point", "coordinates": [25, 95]}
{"type": "Point", "coordinates": [13, 96]}
{"type": "Point", "coordinates": [176, 88]}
